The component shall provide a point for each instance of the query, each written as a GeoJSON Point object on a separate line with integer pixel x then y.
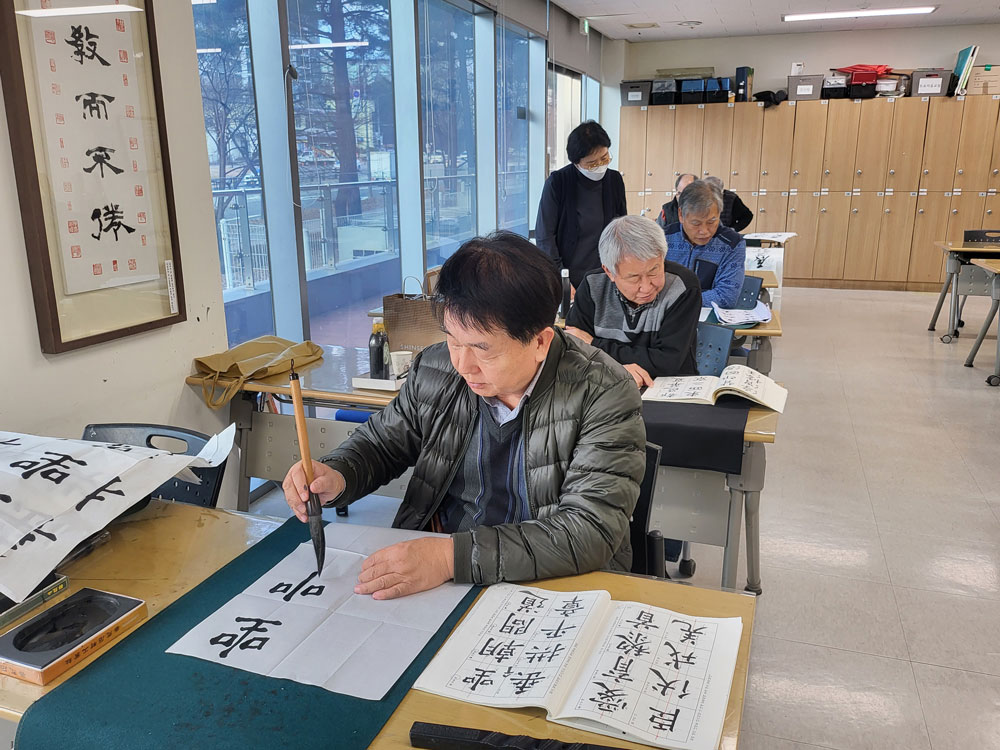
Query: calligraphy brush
{"type": "Point", "coordinates": [313, 508]}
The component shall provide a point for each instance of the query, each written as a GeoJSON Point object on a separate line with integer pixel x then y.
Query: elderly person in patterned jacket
{"type": "Point", "coordinates": [527, 445]}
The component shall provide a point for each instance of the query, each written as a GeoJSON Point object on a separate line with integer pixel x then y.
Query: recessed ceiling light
{"type": "Point", "coordinates": [689, 24]}
{"type": "Point", "coordinates": [866, 13]}
{"type": "Point", "coordinates": [645, 25]}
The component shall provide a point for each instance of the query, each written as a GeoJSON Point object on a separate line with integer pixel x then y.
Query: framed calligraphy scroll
{"type": "Point", "coordinates": [81, 90]}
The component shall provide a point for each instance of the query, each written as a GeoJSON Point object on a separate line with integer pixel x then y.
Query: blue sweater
{"type": "Point", "coordinates": [719, 265]}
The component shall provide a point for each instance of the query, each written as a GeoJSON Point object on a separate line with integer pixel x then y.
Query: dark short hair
{"type": "Point", "coordinates": [584, 138]}
{"type": "Point", "coordinates": [500, 282]}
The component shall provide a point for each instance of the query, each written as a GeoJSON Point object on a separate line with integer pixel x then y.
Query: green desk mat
{"type": "Point", "coordinates": [136, 696]}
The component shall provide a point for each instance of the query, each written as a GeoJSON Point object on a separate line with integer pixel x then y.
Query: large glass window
{"type": "Point", "coordinates": [564, 106]}
{"type": "Point", "coordinates": [512, 129]}
{"type": "Point", "coordinates": [447, 112]}
{"type": "Point", "coordinates": [346, 151]}
{"type": "Point", "coordinates": [221, 33]}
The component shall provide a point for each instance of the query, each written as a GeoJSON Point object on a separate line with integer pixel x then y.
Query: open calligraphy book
{"type": "Point", "coordinates": [622, 669]}
{"type": "Point", "coordinates": [736, 380]}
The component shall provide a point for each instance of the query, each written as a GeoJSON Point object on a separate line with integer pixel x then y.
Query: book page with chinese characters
{"type": "Point", "coordinates": [658, 677]}
{"type": "Point", "coordinates": [745, 381]}
{"type": "Point", "coordinates": [518, 646]}
{"type": "Point", "coordinates": [697, 389]}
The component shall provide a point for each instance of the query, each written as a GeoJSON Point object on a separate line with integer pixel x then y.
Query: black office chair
{"type": "Point", "coordinates": [712, 348]}
{"type": "Point", "coordinates": [647, 544]}
{"type": "Point", "coordinates": [205, 494]}
{"type": "Point", "coordinates": [750, 292]}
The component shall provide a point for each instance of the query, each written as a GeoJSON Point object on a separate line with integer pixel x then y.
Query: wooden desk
{"type": "Point", "coordinates": [156, 555]}
{"type": "Point", "coordinates": [992, 267]}
{"type": "Point", "coordinates": [760, 337]}
{"type": "Point", "coordinates": [418, 706]}
{"type": "Point", "coordinates": [770, 278]}
{"type": "Point", "coordinates": [957, 256]}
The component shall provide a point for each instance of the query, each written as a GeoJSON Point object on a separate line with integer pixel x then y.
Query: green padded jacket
{"type": "Point", "coordinates": [584, 460]}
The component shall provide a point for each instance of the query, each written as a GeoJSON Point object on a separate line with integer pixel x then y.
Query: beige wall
{"type": "Point", "coordinates": [613, 55]}
{"type": "Point", "coordinates": [771, 56]}
{"type": "Point", "coordinates": [139, 378]}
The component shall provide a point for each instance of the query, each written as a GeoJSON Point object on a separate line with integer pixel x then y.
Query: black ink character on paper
{"type": "Point", "coordinates": [247, 640]}
{"type": "Point", "coordinates": [537, 654]}
{"type": "Point", "coordinates": [664, 685]}
{"type": "Point", "coordinates": [524, 681]}
{"type": "Point", "coordinates": [633, 644]}
{"type": "Point", "coordinates": [31, 536]}
{"type": "Point", "coordinates": [676, 659]}
{"type": "Point", "coordinates": [5, 498]}
{"type": "Point", "coordinates": [84, 44]}
{"type": "Point", "coordinates": [689, 634]}
{"type": "Point", "coordinates": [499, 650]}
{"type": "Point", "coordinates": [663, 720]}
{"type": "Point", "coordinates": [99, 493]}
{"type": "Point", "coordinates": [479, 678]}
{"type": "Point", "coordinates": [12, 441]}
{"type": "Point", "coordinates": [515, 625]}
{"type": "Point", "coordinates": [119, 446]}
{"type": "Point", "coordinates": [102, 158]}
{"type": "Point", "coordinates": [95, 105]}
{"type": "Point", "coordinates": [643, 621]}
{"type": "Point", "coordinates": [570, 607]}
{"type": "Point", "coordinates": [111, 221]}
{"type": "Point", "coordinates": [609, 699]}
{"type": "Point", "coordinates": [290, 590]}
{"type": "Point", "coordinates": [531, 603]}
{"type": "Point", "coordinates": [760, 259]}
{"type": "Point", "coordinates": [620, 672]}
{"type": "Point", "coordinates": [54, 469]}
{"type": "Point", "coordinates": [561, 629]}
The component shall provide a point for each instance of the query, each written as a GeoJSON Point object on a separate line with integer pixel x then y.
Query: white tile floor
{"type": "Point", "coordinates": [879, 626]}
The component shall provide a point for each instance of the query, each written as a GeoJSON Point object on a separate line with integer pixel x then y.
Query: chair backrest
{"type": "Point", "coordinates": [647, 548]}
{"type": "Point", "coordinates": [205, 494]}
{"type": "Point", "coordinates": [975, 236]}
{"type": "Point", "coordinates": [712, 348]}
{"type": "Point", "coordinates": [750, 293]}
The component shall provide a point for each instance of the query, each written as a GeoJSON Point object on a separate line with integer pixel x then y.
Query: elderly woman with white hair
{"type": "Point", "coordinates": [641, 308]}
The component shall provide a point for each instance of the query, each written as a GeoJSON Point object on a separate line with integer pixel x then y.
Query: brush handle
{"type": "Point", "coordinates": [300, 427]}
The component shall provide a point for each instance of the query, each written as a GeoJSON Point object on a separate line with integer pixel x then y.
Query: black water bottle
{"type": "Point", "coordinates": [377, 345]}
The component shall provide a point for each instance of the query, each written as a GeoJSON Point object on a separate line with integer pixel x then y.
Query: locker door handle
{"type": "Point", "coordinates": [649, 174]}
{"type": "Point", "coordinates": [764, 172]}
{"type": "Point", "coordinates": [826, 171]}
{"type": "Point", "coordinates": [996, 171]}
{"type": "Point", "coordinates": [854, 210]}
{"type": "Point", "coordinates": [705, 172]}
{"type": "Point", "coordinates": [676, 174]}
{"type": "Point", "coordinates": [961, 171]}
{"type": "Point", "coordinates": [927, 171]}
{"type": "Point", "coordinates": [954, 211]}
{"type": "Point", "coordinates": [791, 210]}
{"type": "Point", "coordinates": [822, 210]}
{"type": "Point", "coordinates": [735, 172]}
{"type": "Point", "coordinates": [859, 171]}
{"type": "Point", "coordinates": [763, 211]}
{"type": "Point", "coordinates": [920, 210]}
{"type": "Point", "coordinates": [795, 172]}
{"type": "Point", "coordinates": [892, 171]}
{"type": "Point", "coordinates": [989, 211]}
{"type": "Point", "coordinates": [888, 211]}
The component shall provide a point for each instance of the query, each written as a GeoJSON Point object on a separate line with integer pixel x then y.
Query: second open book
{"type": "Point", "coordinates": [736, 380]}
{"type": "Point", "coordinates": [621, 669]}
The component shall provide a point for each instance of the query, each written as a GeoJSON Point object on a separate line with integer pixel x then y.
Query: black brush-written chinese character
{"type": "Point", "coordinates": [524, 681]}
{"type": "Point", "coordinates": [102, 158]}
{"type": "Point", "coordinates": [95, 105]}
{"type": "Point", "coordinates": [609, 699]}
{"type": "Point", "coordinates": [689, 634]}
{"type": "Point", "coordinates": [643, 621]}
{"type": "Point", "coordinates": [621, 671]}
{"type": "Point", "coordinates": [515, 625]}
{"type": "Point", "coordinates": [676, 658]}
{"type": "Point", "coordinates": [54, 469]}
{"type": "Point", "coordinates": [664, 685]}
{"type": "Point", "coordinates": [633, 644]}
{"type": "Point", "coordinates": [12, 441]}
{"type": "Point", "coordinates": [84, 44]}
{"type": "Point", "coordinates": [290, 590]}
{"type": "Point", "coordinates": [531, 603]}
{"type": "Point", "coordinates": [31, 536]}
{"type": "Point", "coordinates": [111, 221]}
{"type": "Point", "coordinates": [663, 720]}
{"type": "Point", "coordinates": [561, 629]}
{"type": "Point", "coordinates": [760, 260]}
{"type": "Point", "coordinates": [246, 640]}
{"type": "Point", "coordinates": [119, 447]}
{"type": "Point", "coordinates": [479, 678]}
{"type": "Point", "coordinates": [500, 651]}
{"type": "Point", "coordinates": [543, 653]}
{"type": "Point", "coordinates": [99, 493]}
{"type": "Point", "coordinates": [570, 607]}
{"type": "Point", "coordinates": [5, 498]}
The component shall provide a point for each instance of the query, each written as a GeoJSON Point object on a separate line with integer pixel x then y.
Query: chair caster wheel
{"type": "Point", "coordinates": [946, 339]}
{"type": "Point", "coordinates": [687, 568]}
{"type": "Point", "coordinates": [755, 591]}
{"type": "Point", "coordinates": [993, 380]}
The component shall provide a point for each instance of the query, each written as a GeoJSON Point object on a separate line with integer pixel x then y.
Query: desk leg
{"type": "Point", "coordinates": [241, 413]}
{"type": "Point", "coordinates": [994, 379]}
{"type": "Point", "coordinates": [954, 268]}
{"type": "Point", "coordinates": [750, 482]}
{"type": "Point", "coordinates": [940, 301]}
{"type": "Point", "coordinates": [982, 333]}
{"type": "Point", "coordinates": [731, 553]}
{"type": "Point", "coordinates": [759, 358]}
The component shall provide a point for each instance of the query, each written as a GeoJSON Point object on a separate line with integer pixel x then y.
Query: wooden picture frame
{"type": "Point", "coordinates": [83, 89]}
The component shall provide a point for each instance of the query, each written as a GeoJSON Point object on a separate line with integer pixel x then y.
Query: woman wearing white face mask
{"type": "Point", "coordinates": [578, 201]}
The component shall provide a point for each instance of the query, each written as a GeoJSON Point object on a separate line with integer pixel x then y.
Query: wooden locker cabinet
{"type": "Point", "coordinates": [929, 225]}
{"type": "Point", "coordinates": [749, 198]}
{"type": "Point", "coordinates": [874, 130]}
{"type": "Point", "coordinates": [748, 130]}
{"type": "Point", "coordinates": [831, 235]}
{"type": "Point", "coordinates": [775, 155]}
{"type": "Point", "coordinates": [807, 145]}
{"type": "Point", "coordinates": [966, 212]}
{"type": "Point", "coordinates": [635, 201]}
{"type": "Point", "coordinates": [979, 123]}
{"type": "Point", "coordinates": [632, 150]}
{"type": "Point", "coordinates": [771, 210]}
{"type": "Point", "coordinates": [655, 200]}
{"type": "Point", "coordinates": [841, 144]}
{"type": "Point", "coordinates": [906, 146]}
{"type": "Point", "coordinates": [991, 216]}
{"type": "Point", "coordinates": [944, 123]}
{"type": "Point", "coordinates": [894, 236]}
{"type": "Point", "coordinates": [689, 132]}
{"type": "Point", "coordinates": [803, 215]}
{"type": "Point", "coordinates": [718, 141]}
{"type": "Point", "coordinates": [994, 176]}
{"type": "Point", "coordinates": [659, 148]}
{"type": "Point", "coordinates": [862, 236]}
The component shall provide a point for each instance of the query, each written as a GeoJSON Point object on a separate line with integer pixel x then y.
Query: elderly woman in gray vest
{"type": "Point", "coordinates": [640, 308]}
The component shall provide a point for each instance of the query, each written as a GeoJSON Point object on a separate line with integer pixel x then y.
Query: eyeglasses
{"type": "Point", "coordinates": [599, 163]}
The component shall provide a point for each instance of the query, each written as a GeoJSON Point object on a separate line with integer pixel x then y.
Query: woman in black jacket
{"type": "Point", "coordinates": [578, 201]}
